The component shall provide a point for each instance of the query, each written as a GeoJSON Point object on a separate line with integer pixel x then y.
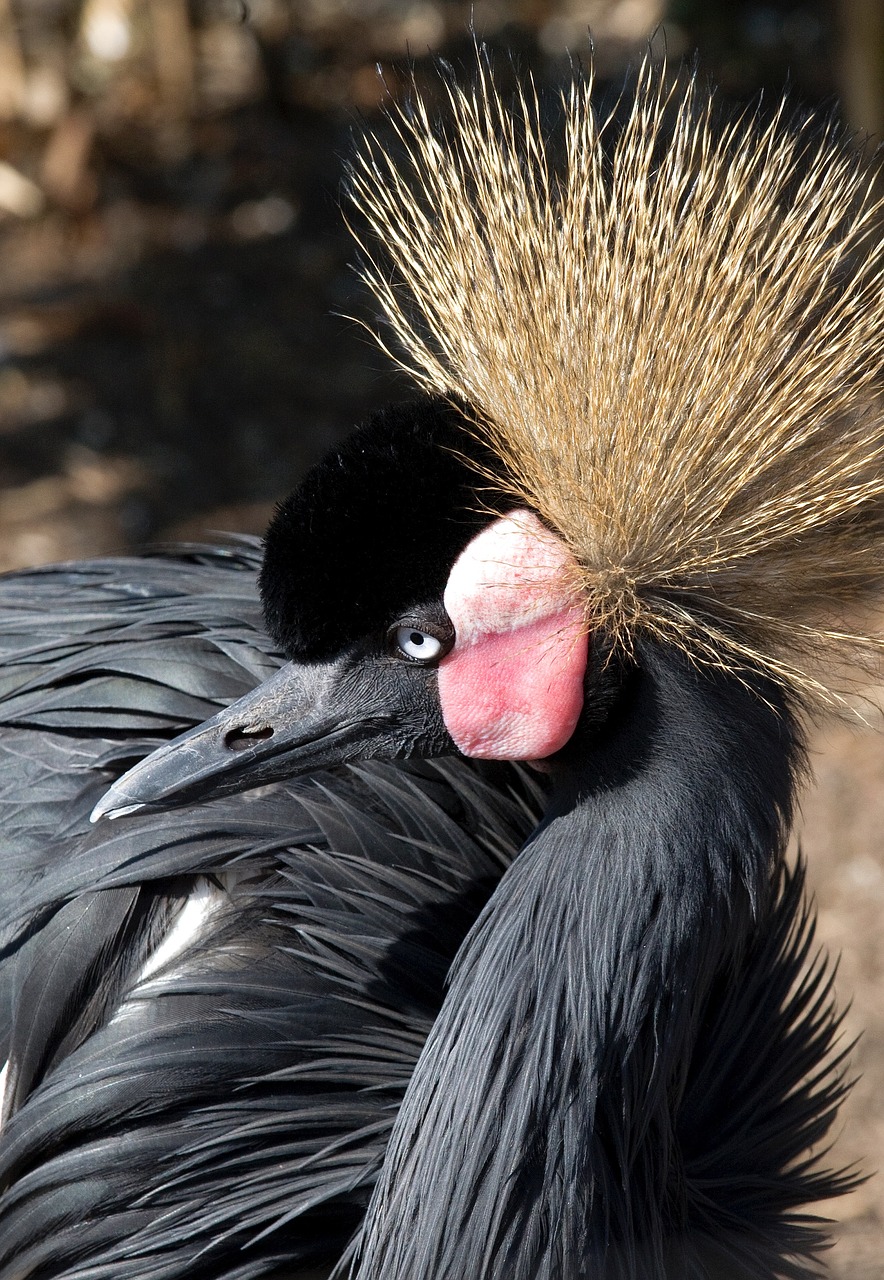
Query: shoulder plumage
{"type": "Point", "coordinates": [671, 335]}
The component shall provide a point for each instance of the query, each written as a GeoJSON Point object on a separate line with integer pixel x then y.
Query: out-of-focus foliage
{"type": "Point", "coordinates": [143, 63]}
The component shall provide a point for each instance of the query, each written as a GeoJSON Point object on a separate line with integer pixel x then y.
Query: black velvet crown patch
{"type": "Point", "coordinates": [374, 529]}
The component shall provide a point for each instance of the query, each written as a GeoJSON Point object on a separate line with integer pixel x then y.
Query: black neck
{"type": "Point", "coordinates": [537, 1140]}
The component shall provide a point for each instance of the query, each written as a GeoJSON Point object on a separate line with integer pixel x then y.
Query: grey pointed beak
{"type": "Point", "coordinates": [303, 718]}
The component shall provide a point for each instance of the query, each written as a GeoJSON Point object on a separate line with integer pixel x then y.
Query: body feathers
{"type": "Point", "coordinates": [212, 1017]}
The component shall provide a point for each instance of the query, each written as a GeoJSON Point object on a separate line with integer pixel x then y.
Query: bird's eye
{"type": "Point", "coordinates": [415, 645]}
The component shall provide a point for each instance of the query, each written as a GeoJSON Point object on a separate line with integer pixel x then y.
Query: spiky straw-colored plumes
{"type": "Point", "coordinates": [672, 334]}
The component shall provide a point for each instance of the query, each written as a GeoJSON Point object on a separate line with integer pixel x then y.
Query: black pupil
{"type": "Point", "coordinates": [417, 638]}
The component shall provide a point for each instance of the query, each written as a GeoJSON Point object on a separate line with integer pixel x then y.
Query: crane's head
{"type": "Point", "coordinates": [670, 350]}
{"type": "Point", "coordinates": [422, 613]}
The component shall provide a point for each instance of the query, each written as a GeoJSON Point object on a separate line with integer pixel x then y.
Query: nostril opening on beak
{"type": "Point", "coordinates": [243, 738]}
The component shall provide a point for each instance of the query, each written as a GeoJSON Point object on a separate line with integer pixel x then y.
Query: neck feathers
{"type": "Point", "coordinates": [546, 1134]}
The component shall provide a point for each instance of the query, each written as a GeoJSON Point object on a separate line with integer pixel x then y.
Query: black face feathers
{"type": "Point", "coordinates": [374, 529]}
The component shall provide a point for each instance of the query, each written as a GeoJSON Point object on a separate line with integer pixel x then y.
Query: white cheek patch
{"type": "Point", "coordinates": [512, 686]}
{"type": "Point", "coordinates": [4, 1101]}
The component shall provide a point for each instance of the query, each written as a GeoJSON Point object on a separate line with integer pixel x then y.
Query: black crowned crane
{"type": "Point", "coordinates": [412, 1008]}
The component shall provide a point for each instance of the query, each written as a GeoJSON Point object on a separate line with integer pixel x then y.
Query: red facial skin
{"type": "Point", "coordinates": [512, 686]}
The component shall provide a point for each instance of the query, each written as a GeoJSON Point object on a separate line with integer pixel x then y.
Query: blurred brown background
{"type": "Point", "coordinates": [174, 269]}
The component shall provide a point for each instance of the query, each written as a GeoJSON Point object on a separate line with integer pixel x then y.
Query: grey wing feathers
{"type": "Point", "coordinates": [210, 1015]}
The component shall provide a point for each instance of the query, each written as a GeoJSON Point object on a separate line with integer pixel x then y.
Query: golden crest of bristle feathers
{"type": "Point", "coordinates": [672, 335]}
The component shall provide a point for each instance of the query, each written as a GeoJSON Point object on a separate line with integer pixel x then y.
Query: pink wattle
{"type": "Point", "coordinates": [512, 686]}
{"type": "Point", "coordinates": [516, 695]}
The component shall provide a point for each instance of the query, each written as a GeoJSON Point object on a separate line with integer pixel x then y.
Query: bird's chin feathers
{"type": "Point", "coordinates": [672, 341]}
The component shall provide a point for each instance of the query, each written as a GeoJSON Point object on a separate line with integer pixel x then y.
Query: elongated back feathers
{"type": "Point", "coordinates": [672, 336]}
